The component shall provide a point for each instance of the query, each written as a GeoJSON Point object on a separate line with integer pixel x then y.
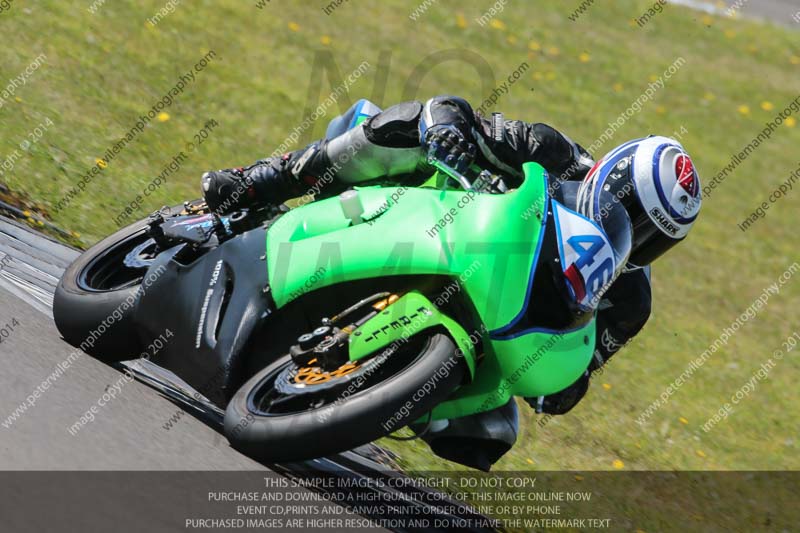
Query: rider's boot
{"type": "Point", "coordinates": [477, 440]}
{"type": "Point", "coordinates": [562, 402]}
{"type": "Point", "coordinates": [267, 181]}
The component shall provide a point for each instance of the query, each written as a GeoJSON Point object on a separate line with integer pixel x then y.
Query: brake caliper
{"type": "Point", "coordinates": [328, 346]}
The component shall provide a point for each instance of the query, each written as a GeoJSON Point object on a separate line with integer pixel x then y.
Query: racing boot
{"type": "Point", "coordinates": [477, 441]}
{"type": "Point", "coordinates": [268, 181]}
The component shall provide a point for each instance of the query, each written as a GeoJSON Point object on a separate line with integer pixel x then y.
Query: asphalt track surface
{"type": "Point", "coordinates": [127, 434]}
{"type": "Point", "coordinates": [779, 11]}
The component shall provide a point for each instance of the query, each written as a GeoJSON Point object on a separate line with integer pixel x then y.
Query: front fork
{"type": "Point", "coordinates": [402, 319]}
{"type": "Point", "coordinates": [388, 323]}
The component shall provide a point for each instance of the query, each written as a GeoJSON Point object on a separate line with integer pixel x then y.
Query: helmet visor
{"type": "Point", "coordinates": [650, 243]}
{"type": "Point", "coordinates": [615, 222]}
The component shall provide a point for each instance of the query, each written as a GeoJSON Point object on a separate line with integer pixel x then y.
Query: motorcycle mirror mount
{"type": "Point", "coordinates": [352, 206]}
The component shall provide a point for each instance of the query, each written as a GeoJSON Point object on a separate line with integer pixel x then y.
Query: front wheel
{"type": "Point", "coordinates": [288, 413]}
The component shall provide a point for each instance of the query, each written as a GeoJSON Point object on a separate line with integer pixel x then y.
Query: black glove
{"type": "Point", "coordinates": [448, 145]}
{"type": "Point", "coordinates": [227, 190]}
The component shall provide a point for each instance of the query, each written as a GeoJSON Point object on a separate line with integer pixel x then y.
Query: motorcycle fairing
{"type": "Point", "coordinates": [212, 306]}
{"type": "Point", "coordinates": [423, 232]}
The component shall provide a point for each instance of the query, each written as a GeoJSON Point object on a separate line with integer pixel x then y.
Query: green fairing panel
{"type": "Point", "coordinates": [410, 315]}
{"type": "Point", "coordinates": [531, 365]}
{"type": "Point", "coordinates": [316, 246]}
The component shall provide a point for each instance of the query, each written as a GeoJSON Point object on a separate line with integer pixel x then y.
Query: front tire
{"type": "Point", "coordinates": [350, 420]}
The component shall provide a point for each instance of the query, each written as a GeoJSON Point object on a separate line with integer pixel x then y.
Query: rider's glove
{"type": "Point", "coordinates": [227, 190]}
{"type": "Point", "coordinates": [448, 145]}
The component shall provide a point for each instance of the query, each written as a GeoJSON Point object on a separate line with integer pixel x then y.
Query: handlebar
{"type": "Point", "coordinates": [485, 182]}
{"type": "Point", "coordinates": [450, 171]}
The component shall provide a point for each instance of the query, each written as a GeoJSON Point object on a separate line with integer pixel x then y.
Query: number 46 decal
{"type": "Point", "coordinates": [587, 247]}
{"type": "Point", "coordinates": [586, 255]}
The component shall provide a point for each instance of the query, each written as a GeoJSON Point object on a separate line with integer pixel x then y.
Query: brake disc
{"type": "Point", "coordinates": [294, 380]}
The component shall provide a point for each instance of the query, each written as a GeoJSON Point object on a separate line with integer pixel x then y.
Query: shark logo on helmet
{"type": "Point", "coordinates": [663, 221]}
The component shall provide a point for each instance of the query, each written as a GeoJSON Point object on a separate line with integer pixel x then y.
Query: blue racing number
{"type": "Point", "coordinates": [600, 276]}
{"type": "Point", "coordinates": [586, 253]}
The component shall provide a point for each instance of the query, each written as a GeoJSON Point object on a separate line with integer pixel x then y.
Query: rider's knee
{"type": "Point", "coordinates": [396, 127]}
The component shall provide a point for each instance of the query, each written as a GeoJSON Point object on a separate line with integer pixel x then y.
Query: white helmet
{"type": "Point", "coordinates": [654, 179]}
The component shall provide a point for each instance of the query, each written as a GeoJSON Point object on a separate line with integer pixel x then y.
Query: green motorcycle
{"type": "Point", "coordinates": [339, 322]}
{"type": "Point", "coordinates": [451, 335]}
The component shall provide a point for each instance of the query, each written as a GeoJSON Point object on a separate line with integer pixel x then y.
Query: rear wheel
{"type": "Point", "coordinates": [89, 305]}
{"type": "Point", "coordinates": [289, 413]}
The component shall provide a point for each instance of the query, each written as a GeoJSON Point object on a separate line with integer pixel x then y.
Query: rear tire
{"type": "Point", "coordinates": [355, 420]}
{"type": "Point", "coordinates": [79, 312]}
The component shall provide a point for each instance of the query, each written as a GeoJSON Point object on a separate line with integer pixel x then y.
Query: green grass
{"type": "Point", "coordinates": [103, 70]}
